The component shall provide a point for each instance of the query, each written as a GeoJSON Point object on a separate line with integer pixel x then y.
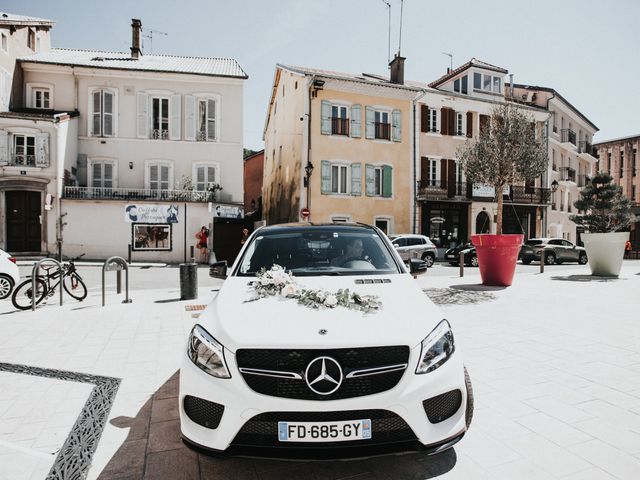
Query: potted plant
{"type": "Point", "coordinates": [506, 152]}
{"type": "Point", "coordinates": [606, 218]}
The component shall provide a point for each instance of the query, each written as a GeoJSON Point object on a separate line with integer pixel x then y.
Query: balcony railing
{"type": "Point", "coordinates": [101, 193]}
{"type": "Point", "coordinates": [585, 147]}
{"type": "Point", "coordinates": [567, 136]}
{"type": "Point", "coordinates": [340, 126]}
{"type": "Point", "coordinates": [158, 134]}
{"type": "Point", "coordinates": [19, 160]}
{"type": "Point", "coordinates": [436, 189]}
{"type": "Point", "coordinates": [583, 180]}
{"type": "Point", "coordinates": [383, 131]}
{"type": "Point", "coordinates": [567, 174]}
{"type": "Point", "coordinates": [527, 194]}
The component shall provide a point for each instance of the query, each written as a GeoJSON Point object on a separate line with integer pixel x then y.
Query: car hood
{"type": "Point", "coordinates": [406, 317]}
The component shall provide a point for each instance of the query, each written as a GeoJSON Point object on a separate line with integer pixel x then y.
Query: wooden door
{"type": "Point", "coordinates": [24, 232]}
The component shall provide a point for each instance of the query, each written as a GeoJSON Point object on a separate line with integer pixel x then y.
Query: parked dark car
{"type": "Point", "coordinates": [470, 258]}
{"type": "Point", "coordinates": [556, 251]}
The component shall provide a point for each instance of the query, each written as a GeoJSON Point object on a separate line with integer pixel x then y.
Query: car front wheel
{"type": "Point", "coordinates": [428, 259]}
{"type": "Point", "coordinates": [6, 286]}
{"type": "Point", "coordinates": [474, 261]}
{"type": "Point", "coordinates": [550, 259]}
{"type": "Point", "coordinates": [583, 259]}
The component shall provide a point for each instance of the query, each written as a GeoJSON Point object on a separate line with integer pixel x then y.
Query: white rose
{"type": "Point", "coordinates": [289, 290]}
{"type": "Point", "coordinates": [331, 301]}
{"type": "Point", "coordinates": [265, 280]}
{"type": "Point", "coordinates": [321, 296]}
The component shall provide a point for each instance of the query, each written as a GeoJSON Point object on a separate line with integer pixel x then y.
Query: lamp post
{"type": "Point", "coordinates": [308, 171]}
{"type": "Point", "coordinates": [554, 186]}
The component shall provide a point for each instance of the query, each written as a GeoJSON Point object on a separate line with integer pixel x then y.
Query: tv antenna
{"type": "Point", "coordinates": [400, 36]}
{"type": "Point", "coordinates": [149, 35]}
{"type": "Point", "coordinates": [389, 41]}
{"type": "Point", "coordinates": [450, 55]}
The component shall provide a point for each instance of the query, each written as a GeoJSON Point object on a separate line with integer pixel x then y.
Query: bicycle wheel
{"type": "Point", "coordinates": [75, 287]}
{"type": "Point", "coordinates": [23, 293]}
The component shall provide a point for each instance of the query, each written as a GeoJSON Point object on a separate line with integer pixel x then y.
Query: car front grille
{"type": "Point", "coordinates": [296, 361]}
{"type": "Point", "coordinates": [443, 406]}
{"type": "Point", "coordinates": [262, 430]}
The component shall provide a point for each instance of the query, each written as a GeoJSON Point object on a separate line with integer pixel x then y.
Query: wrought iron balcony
{"type": "Point", "coordinates": [436, 189]}
{"type": "Point", "coordinates": [340, 126]}
{"type": "Point", "coordinates": [585, 147]}
{"type": "Point", "coordinates": [567, 174]}
{"type": "Point", "coordinates": [383, 131]}
{"type": "Point", "coordinates": [101, 193]}
{"type": "Point", "coordinates": [567, 136]}
{"type": "Point", "coordinates": [527, 194]}
{"type": "Point", "coordinates": [158, 134]}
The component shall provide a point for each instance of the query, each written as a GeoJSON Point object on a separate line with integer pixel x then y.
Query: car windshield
{"type": "Point", "coordinates": [534, 241]}
{"type": "Point", "coordinates": [319, 251]}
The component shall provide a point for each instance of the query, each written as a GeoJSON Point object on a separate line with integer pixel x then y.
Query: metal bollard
{"type": "Point", "coordinates": [461, 264]}
{"type": "Point", "coordinates": [129, 254]}
{"type": "Point", "coordinates": [188, 281]}
{"type": "Point", "coordinates": [193, 258]}
{"type": "Point", "coordinates": [119, 281]}
{"type": "Point", "coordinates": [542, 259]}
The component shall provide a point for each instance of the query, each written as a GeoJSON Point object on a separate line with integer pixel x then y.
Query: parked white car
{"type": "Point", "coordinates": [415, 246]}
{"type": "Point", "coordinates": [9, 274]}
{"type": "Point", "coordinates": [318, 340]}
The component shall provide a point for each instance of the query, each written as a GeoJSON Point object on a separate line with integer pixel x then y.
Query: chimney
{"type": "Point", "coordinates": [397, 69]}
{"type": "Point", "coordinates": [136, 28]}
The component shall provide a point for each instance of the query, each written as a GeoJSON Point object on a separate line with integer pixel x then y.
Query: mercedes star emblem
{"type": "Point", "coordinates": [323, 375]}
{"type": "Point", "coordinates": [322, 331]}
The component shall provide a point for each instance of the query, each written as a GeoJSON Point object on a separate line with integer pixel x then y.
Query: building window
{"type": "Point", "coordinates": [40, 98]}
{"type": "Point", "coordinates": [206, 120]}
{"type": "Point", "coordinates": [487, 83]}
{"type": "Point", "coordinates": [5, 42]}
{"type": "Point", "coordinates": [460, 124]}
{"type": "Point", "coordinates": [382, 125]}
{"type": "Point", "coordinates": [433, 120]}
{"type": "Point", "coordinates": [159, 176]}
{"type": "Point", "coordinates": [160, 118]}
{"type": "Point", "coordinates": [102, 174]}
{"type": "Point", "coordinates": [460, 85]}
{"type": "Point", "coordinates": [339, 120]}
{"type": "Point", "coordinates": [339, 179]}
{"type": "Point", "coordinates": [102, 113]}
{"type": "Point", "coordinates": [24, 150]}
{"type": "Point", "coordinates": [633, 193]}
{"type": "Point", "coordinates": [621, 162]}
{"type": "Point", "coordinates": [379, 181]}
{"type": "Point", "coordinates": [554, 167]}
{"type": "Point", "coordinates": [31, 39]}
{"type": "Point", "coordinates": [634, 153]}
{"type": "Point", "coordinates": [383, 224]}
{"type": "Point", "coordinates": [205, 176]}
{"type": "Point", "coordinates": [434, 173]}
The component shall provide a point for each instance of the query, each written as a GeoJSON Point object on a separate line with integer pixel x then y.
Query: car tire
{"type": "Point", "coordinates": [6, 286]}
{"type": "Point", "coordinates": [550, 259]}
{"type": "Point", "coordinates": [526, 262]}
{"type": "Point", "coordinates": [428, 259]}
{"type": "Point", "coordinates": [453, 264]}
{"type": "Point", "coordinates": [473, 261]}
{"type": "Point", "coordinates": [468, 414]}
{"type": "Point", "coordinates": [583, 259]}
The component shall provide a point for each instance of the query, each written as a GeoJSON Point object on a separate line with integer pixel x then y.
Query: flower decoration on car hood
{"type": "Point", "coordinates": [277, 282]}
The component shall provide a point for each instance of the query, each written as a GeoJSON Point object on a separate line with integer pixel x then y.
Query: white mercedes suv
{"type": "Point", "coordinates": [319, 340]}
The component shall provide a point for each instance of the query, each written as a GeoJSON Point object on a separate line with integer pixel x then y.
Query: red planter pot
{"type": "Point", "coordinates": [497, 257]}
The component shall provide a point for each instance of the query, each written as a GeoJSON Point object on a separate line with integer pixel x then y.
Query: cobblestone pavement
{"type": "Point", "coordinates": [554, 359]}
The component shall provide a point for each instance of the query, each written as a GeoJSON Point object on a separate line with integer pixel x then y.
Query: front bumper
{"type": "Point", "coordinates": [241, 405]}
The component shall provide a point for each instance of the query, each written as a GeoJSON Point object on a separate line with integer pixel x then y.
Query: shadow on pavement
{"type": "Point", "coordinates": [586, 278]}
{"type": "Point", "coordinates": [154, 450]}
{"type": "Point", "coordinates": [168, 300]}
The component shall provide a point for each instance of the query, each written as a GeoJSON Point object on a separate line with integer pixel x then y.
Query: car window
{"type": "Point", "coordinates": [567, 243]}
{"type": "Point", "coordinates": [318, 251]}
{"type": "Point", "coordinates": [400, 242]}
{"type": "Point", "coordinates": [414, 241]}
{"type": "Point", "coordinates": [555, 242]}
{"type": "Point", "coordinates": [533, 241]}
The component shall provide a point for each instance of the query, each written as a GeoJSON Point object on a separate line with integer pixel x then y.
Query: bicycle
{"type": "Point", "coordinates": [45, 288]}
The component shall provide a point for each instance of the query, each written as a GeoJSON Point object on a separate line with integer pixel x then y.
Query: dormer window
{"type": "Point", "coordinates": [487, 83]}
{"type": "Point", "coordinates": [41, 98]}
{"type": "Point", "coordinates": [460, 85]}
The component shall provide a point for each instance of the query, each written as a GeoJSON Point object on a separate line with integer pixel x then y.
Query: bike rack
{"type": "Point", "coordinates": [34, 273]}
{"type": "Point", "coordinates": [116, 264]}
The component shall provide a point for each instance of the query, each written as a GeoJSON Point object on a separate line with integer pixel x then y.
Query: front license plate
{"type": "Point", "coordinates": [324, 431]}
{"type": "Point", "coordinates": [451, 256]}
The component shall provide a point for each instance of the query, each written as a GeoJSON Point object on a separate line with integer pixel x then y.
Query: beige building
{"type": "Point", "coordinates": [355, 133]}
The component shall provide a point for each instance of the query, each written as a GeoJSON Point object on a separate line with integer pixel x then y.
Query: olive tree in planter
{"type": "Point", "coordinates": [505, 153]}
{"type": "Point", "coordinates": [606, 219]}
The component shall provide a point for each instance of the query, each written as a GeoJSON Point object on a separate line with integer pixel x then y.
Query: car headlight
{"type": "Point", "coordinates": [437, 348]}
{"type": "Point", "coordinates": [206, 353]}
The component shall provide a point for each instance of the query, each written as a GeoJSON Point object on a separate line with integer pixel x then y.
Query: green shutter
{"type": "Point", "coordinates": [326, 177]}
{"type": "Point", "coordinates": [370, 178]}
{"type": "Point", "coordinates": [396, 126]}
{"type": "Point", "coordinates": [356, 179]}
{"type": "Point", "coordinates": [370, 117]}
{"type": "Point", "coordinates": [326, 118]}
{"type": "Point", "coordinates": [356, 121]}
{"type": "Point", "coordinates": [387, 177]}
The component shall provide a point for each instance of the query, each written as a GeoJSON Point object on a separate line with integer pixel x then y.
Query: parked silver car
{"type": "Point", "coordinates": [415, 246]}
{"type": "Point", "coordinates": [556, 250]}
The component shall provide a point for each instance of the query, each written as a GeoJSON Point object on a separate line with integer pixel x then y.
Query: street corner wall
{"type": "Point", "coordinates": [99, 229]}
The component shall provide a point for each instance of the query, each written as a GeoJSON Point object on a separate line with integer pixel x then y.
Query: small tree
{"type": "Point", "coordinates": [505, 153]}
{"type": "Point", "coordinates": [606, 208]}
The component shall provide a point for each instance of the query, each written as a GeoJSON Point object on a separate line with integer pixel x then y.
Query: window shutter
{"type": "Point", "coordinates": [425, 171]}
{"type": "Point", "coordinates": [443, 173]}
{"type": "Point", "coordinates": [469, 124]}
{"type": "Point", "coordinates": [326, 177]}
{"type": "Point", "coordinates": [153, 177]}
{"type": "Point", "coordinates": [424, 118]}
{"type": "Point", "coordinates": [189, 117]}
{"type": "Point", "coordinates": [370, 120]}
{"type": "Point", "coordinates": [174, 123]}
{"type": "Point", "coordinates": [107, 107]}
{"type": "Point", "coordinates": [42, 149]}
{"type": "Point", "coordinates": [143, 115]}
{"type": "Point", "coordinates": [451, 128]}
{"type": "Point", "coordinates": [444, 123]}
{"type": "Point", "coordinates": [4, 147]}
{"type": "Point", "coordinates": [211, 120]}
{"type": "Point", "coordinates": [325, 126]}
{"type": "Point", "coordinates": [370, 179]}
{"type": "Point", "coordinates": [387, 181]}
{"type": "Point", "coordinates": [396, 126]}
{"type": "Point", "coordinates": [356, 179]}
{"type": "Point", "coordinates": [108, 175]}
{"type": "Point", "coordinates": [96, 113]}
{"type": "Point", "coordinates": [96, 177]}
{"type": "Point", "coordinates": [356, 121]}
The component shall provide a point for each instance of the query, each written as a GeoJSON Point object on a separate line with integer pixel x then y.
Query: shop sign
{"type": "Point", "coordinates": [228, 211]}
{"type": "Point", "coordinates": [151, 213]}
{"type": "Point", "coordinates": [484, 190]}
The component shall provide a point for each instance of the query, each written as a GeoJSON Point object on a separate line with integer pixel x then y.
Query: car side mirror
{"type": "Point", "coordinates": [416, 265]}
{"type": "Point", "coordinates": [395, 245]}
{"type": "Point", "coordinates": [218, 269]}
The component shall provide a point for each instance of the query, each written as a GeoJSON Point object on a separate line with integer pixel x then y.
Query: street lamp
{"type": "Point", "coordinates": [308, 170]}
{"type": "Point", "coordinates": [554, 186]}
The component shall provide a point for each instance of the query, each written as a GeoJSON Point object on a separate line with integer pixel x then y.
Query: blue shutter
{"type": "Point", "coordinates": [325, 128]}
{"type": "Point", "coordinates": [396, 126]}
{"type": "Point", "coordinates": [356, 121]}
{"type": "Point", "coordinates": [387, 181]}
{"type": "Point", "coordinates": [356, 179]}
{"type": "Point", "coordinates": [326, 177]}
{"type": "Point", "coordinates": [370, 117]}
{"type": "Point", "coordinates": [370, 178]}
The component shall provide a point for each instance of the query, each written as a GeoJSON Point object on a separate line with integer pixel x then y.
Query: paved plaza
{"type": "Point", "coordinates": [554, 361]}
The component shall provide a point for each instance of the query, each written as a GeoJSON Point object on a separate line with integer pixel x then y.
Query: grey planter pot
{"type": "Point", "coordinates": [605, 252]}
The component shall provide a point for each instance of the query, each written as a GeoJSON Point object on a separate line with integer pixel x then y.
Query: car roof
{"type": "Point", "coordinates": [349, 226]}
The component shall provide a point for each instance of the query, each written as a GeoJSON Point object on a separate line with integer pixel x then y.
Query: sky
{"type": "Point", "coordinates": [577, 47]}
